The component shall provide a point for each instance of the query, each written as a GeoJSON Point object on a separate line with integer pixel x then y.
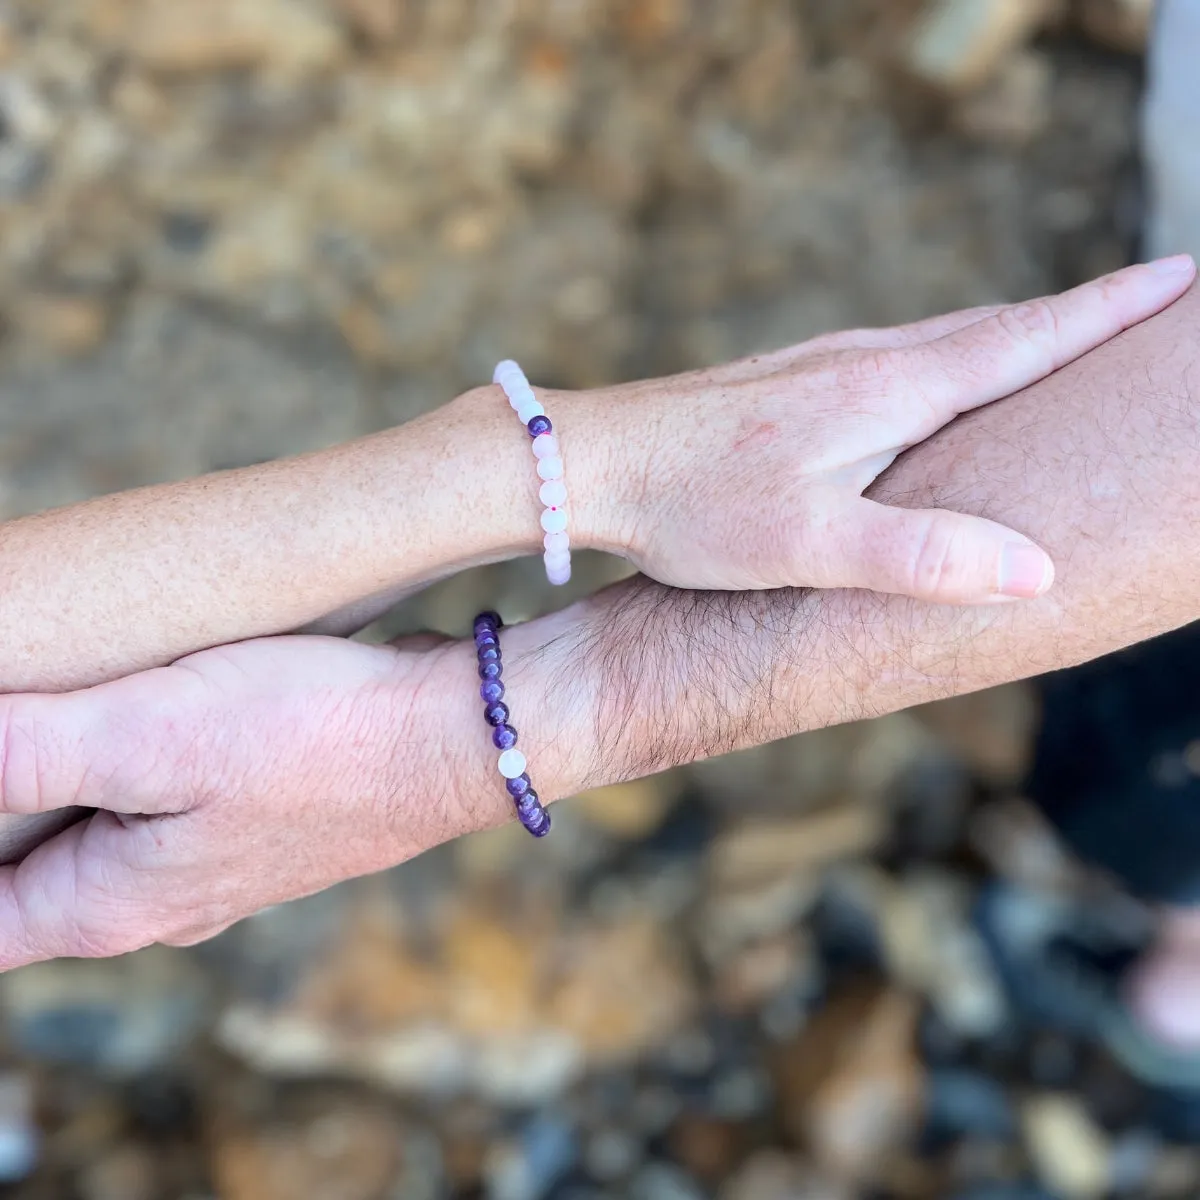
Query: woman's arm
{"type": "Point", "coordinates": [746, 476]}
{"type": "Point", "coordinates": [134, 580]}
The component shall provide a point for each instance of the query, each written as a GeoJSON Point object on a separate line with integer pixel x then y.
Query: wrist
{"type": "Point", "coordinates": [601, 489]}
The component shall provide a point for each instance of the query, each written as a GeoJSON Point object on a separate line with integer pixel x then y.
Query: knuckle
{"type": "Point", "coordinates": [1035, 321]}
{"type": "Point", "coordinates": [873, 367]}
{"type": "Point", "coordinates": [934, 562]}
{"type": "Point", "coordinates": [23, 758]}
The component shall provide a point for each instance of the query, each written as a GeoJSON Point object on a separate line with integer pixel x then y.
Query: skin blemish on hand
{"type": "Point", "coordinates": [756, 434]}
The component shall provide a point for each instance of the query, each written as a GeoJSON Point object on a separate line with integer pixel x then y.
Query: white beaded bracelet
{"type": "Point", "coordinates": [553, 492]}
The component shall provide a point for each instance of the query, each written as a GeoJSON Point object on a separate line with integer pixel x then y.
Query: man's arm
{"type": "Point", "coordinates": [1100, 463]}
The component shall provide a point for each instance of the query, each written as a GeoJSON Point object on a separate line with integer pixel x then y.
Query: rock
{"type": "Point", "coordinates": [658, 1181]}
{"type": "Point", "coordinates": [961, 1102]}
{"type": "Point", "coordinates": [631, 811]}
{"type": "Point", "coordinates": [770, 1175]}
{"type": "Point", "coordinates": [611, 1154]}
{"type": "Point", "coordinates": [754, 975]}
{"type": "Point", "coordinates": [123, 1017]}
{"type": "Point", "coordinates": [1176, 1172]}
{"type": "Point", "coordinates": [62, 325]}
{"type": "Point", "coordinates": [931, 946]}
{"type": "Point", "coordinates": [730, 918]}
{"type": "Point", "coordinates": [128, 1172]}
{"type": "Point", "coordinates": [991, 731]}
{"type": "Point", "coordinates": [959, 44]}
{"type": "Point", "coordinates": [1013, 108]}
{"type": "Point", "coordinates": [195, 36]}
{"type": "Point", "coordinates": [1072, 1156]}
{"type": "Point", "coordinates": [510, 1010]}
{"type": "Point", "coordinates": [851, 1083]}
{"type": "Point", "coordinates": [20, 1140]}
{"type": "Point", "coordinates": [847, 919]}
{"type": "Point", "coordinates": [348, 1152]}
{"type": "Point", "coordinates": [1019, 844]}
{"type": "Point", "coordinates": [528, 1168]}
{"type": "Point", "coordinates": [621, 990]}
{"type": "Point", "coordinates": [379, 20]}
{"type": "Point", "coordinates": [705, 1146]}
{"type": "Point", "coordinates": [749, 853]}
{"type": "Point", "coordinates": [1135, 1155]}
{"type": "Point", "coordinates": [1121, 24]}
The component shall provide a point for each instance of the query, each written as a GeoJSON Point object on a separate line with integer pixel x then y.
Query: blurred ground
{"type": "Point", "coordinates": [233, 229]}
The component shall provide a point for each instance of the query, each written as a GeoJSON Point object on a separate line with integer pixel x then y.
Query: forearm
{"type": "Point", "coordinates": [1099, 463]}
{"type": "Point", "coordinates": [138, 579]}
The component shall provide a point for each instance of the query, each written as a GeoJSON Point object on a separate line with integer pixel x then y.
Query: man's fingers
{"type": "Point", "coordinates": [1022, 343]}
{"type": "Point", "coordinates": [938, 556]}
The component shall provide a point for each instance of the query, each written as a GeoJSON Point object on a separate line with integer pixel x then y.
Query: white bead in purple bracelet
{"type": "Point", "coordinates": [512, 762]}
{"type": "Point", "coordinates": [546, 450]}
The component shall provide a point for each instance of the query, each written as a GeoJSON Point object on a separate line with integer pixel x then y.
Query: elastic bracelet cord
{"type": "Point", "coordinates": [504, 737]}
{"type": "Point", "coordinates": [553, 491]}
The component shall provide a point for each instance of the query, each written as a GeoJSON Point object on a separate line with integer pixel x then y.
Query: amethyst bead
{"type": "Point", "coordinates": [490, 670]}
{"type": "Point", "coordinates": [487, 640]}
{"type": "Point", "coordinates": [488, 620]}
{"type": "Point", "coordinates": [489, 654]}
{"type": "Point", "coordinates": [539, 425]}
{"type": "Point", "coordinates": [518, 787]}
{"type": "Point", "coordinates": [496, 714]}
{"type": "Point", "coordinates": [491, 690]}
{"type": "Point", "coordinates": [504, 737]}
{"type": "Point", "coordinates": [533, 816]}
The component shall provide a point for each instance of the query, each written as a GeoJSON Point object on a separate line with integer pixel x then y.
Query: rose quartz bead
{"type": "Point", "coordinates": [554, 520]}
{"type": "Point", "coordinates": [545, 445]}
{"type": "Point", "coordinates": [550, 468]}
{"type": "Point", "coordinates": [521, 396]}
{"type": "Point", "coordinates": [506, 371]}
{"type": "Point", "coordinates": [556, 542]}
{"type": "Point", "coordinates": [558, 576]}
{"type": "Point", "coordinates": [553, 493]}
{"type": "Point", "coordinates": [528, 409]}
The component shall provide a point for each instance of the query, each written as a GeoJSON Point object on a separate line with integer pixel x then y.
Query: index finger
{"type": "Point", "coordinates": [1022, 343]}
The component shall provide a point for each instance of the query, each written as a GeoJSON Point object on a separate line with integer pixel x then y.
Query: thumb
{"type": "Point", "coordinates": [76, 896]}
{"type": "Point", "coordinates": [934, 555]}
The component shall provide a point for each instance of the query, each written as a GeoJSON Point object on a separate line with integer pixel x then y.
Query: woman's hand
{"type": "Point", "coordinates": [238, 778]}
{"type": "Point", "coordinates": [751, 475]}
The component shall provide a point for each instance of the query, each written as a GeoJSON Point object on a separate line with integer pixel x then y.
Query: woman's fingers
{"type": "Point", "coordinates": [931, 554]}
{"type": "Point", "coordinates": [1022, 343]}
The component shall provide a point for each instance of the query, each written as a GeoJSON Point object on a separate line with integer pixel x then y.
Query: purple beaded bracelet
{"type": "Point", "coordinates": [553, 492]}
{"type": "Point", "coordinates": [504, 737]}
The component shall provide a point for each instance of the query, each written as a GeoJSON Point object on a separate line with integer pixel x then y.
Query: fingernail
{"type": "Point", "coordinates": [1025, 571]}
{"type": "Point", "coordinates": [1177, 264]}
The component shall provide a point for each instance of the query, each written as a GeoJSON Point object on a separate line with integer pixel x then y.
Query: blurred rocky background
{"type": "Point", "coordinates": [234, 229]}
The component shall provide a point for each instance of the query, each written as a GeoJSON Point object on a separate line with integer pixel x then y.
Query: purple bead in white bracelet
{"type": "Point", "coordinates": [504, 737]}
{"type": "Point", "coordinates": [553, 492]}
